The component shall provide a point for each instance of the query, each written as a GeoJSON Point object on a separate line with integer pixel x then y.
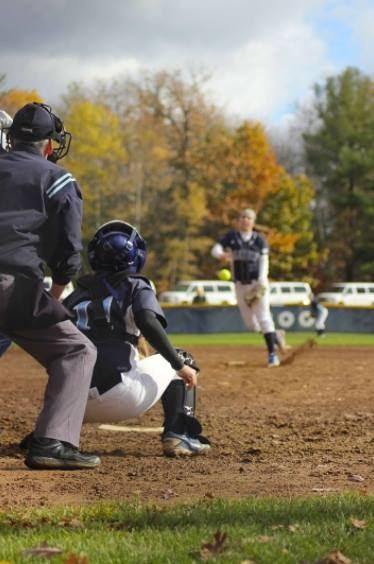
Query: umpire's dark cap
{"type": "Point", "coordinates": [33, 122]}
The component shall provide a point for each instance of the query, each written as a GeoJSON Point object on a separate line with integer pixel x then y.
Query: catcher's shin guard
{"type": "Point", "coordinates": [179, 405]}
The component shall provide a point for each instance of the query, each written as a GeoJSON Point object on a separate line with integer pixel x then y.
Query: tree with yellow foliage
{"type": "Point", "coordinates": [97, 158]}
{"type": "Point", "coordinates": [13, 99]}
{"type": "Point", "coordinates": [166, 121]}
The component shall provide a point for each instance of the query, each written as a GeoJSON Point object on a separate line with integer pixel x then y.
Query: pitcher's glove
{"type": "Point", "coordinates": [255, 292]}
{"type": "Point", "coordinates": [188, 359]}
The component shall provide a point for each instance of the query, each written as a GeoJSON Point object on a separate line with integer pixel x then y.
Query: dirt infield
{"type": "Point", "coordinates": [301, 429]}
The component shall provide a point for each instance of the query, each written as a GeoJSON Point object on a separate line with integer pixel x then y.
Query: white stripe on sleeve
{"type": "Point", "coordinates": [59, 184]}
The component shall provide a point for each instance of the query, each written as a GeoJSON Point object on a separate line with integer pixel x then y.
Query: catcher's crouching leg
{"type": "Point", "coordinates": [182, 431]}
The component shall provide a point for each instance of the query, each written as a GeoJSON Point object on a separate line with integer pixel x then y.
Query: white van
{"type": "Point", "coordinates": [216, 292]}
{"type": "Point", "coordinates": [289, 293]}
{"type": "Point", "coordinates": [349, 294]}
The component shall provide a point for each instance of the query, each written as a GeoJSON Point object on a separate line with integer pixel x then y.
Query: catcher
{"type": "Point", "coordinates": [113, 307]}
{"type": "Point", "coordinates": [248, 252]}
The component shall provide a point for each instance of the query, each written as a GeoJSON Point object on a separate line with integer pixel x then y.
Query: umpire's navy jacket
{"type": "Point", "coordinates": [40, 224]}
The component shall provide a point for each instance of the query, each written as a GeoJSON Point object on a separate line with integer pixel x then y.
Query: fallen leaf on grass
{"type": "Point", "coordinates": [71, 522]}
{"type": "Point", "coordinates": [335, 557]}
{"type": "Point", "coordinates": [211, 549]}
{"type": "Point", "coordinates": [76, 558]}
{"type": "Point", "coordinates": [24, 523]}
{"type": "Point", "coordinates": [263, 538]}
{"type": "Point", "coordinates": [358, 524]}
{"type": "Point", "coordinates": [43, 550]}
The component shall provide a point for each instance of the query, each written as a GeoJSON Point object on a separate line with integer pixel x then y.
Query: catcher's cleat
{"type": "Point", "coordinates": [273, 360]}
{"type": "Point", "coordinates": [51, 454]}
{"type": "Point", "coordinates": [182, 445]}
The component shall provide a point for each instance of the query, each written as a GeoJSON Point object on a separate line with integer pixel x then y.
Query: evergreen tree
{"type": "Point", "coordinates": [340, 155]}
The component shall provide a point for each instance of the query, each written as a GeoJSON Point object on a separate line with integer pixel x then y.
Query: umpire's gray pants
{"type": "Point", "coordinates": [69, 358]}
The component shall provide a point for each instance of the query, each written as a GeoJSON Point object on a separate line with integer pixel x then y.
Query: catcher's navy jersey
{"type": "Point", "coordinates": [98, 304]}
{"type": "Point", "coordinates": [108, 320]}
{"type": "Point", "coordinates": [40, 216]}
{"type": "Point", "coordinates": [245, 254]}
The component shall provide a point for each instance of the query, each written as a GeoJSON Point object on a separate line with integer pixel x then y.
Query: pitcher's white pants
{"type": "Point", "coordinates": [258, 315]}
{"type": "Point", "coordinates": [139, 390]}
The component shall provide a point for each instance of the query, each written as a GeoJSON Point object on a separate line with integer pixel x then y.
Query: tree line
{"type": "Point", "coordinates": [158, 153]}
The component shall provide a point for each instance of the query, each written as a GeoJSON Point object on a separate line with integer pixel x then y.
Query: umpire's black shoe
{"type": "Point", "coordinates": [26, 441]}
{"type": "Point", "coordinates": [51, 454]}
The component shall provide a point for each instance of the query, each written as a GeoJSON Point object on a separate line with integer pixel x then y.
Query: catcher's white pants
{"type": "Point", "coordinates": [139, 390]}
{"type": "Point", "coordinates": [258, 315]}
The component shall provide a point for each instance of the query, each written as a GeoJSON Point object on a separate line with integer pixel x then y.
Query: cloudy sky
{"type": "Point", "coordinates": [263, 56]}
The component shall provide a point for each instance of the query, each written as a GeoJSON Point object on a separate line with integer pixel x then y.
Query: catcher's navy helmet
{"type": "Point", "coordinates": [117, 246]}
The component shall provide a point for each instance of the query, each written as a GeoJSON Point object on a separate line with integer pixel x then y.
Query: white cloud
{"type": "Point", "coordinates": [265, 75]}
{"type": "Point", "coordinates": [263, 57]}
{"type": "Point", "coordinates": [50, 76]}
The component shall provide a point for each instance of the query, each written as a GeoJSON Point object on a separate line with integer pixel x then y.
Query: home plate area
{"type": "Point", "coordinates": [304, 428]}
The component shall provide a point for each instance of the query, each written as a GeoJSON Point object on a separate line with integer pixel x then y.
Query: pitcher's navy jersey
{"type": "Point", "coordinates": [40, 216]}
{"type": "Point", "coordinates": [245, 254]}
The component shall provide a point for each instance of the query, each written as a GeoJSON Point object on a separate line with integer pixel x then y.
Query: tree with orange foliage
{"type": "Point", "coordinates": [253, 178]}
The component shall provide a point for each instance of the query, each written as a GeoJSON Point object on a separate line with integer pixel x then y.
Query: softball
{"type": "Point", "coordinates": [224, 274]}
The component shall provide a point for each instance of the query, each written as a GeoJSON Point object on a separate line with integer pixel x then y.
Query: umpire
{"type": "Point", "coordinates": [40, 225]}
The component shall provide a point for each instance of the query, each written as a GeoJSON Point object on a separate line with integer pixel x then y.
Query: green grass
{"type": "Point", "coordinates": [346, 339]}
{"type": "Point", "coordinates": [260, 530]}
{"type": "Point", "coordinates": [256, 339]}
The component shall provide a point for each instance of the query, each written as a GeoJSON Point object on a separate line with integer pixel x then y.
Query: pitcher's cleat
{"type": "Point", "coordinates": [273, 360]}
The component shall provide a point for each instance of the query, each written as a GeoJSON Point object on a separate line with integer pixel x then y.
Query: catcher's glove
{"type": "Point", "coordinates": [188, 359]}
{"type": "Point", "coordinates": [255, 292]}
